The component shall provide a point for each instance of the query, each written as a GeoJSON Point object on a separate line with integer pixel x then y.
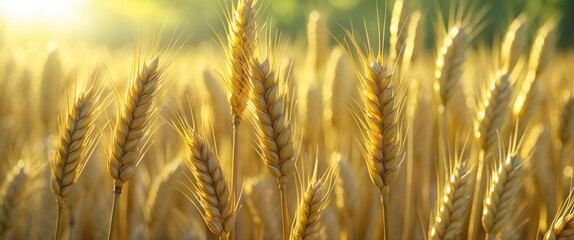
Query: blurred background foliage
{"type": "Point", "coordinates": [114, 23]}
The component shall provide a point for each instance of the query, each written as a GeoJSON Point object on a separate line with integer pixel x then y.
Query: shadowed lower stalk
{"type": "Point", "coordinates": [385, 211]}
{"type": "Point", "coordinates": [273, 129]}
{"type": "Point", "coordinates": [132, 126]}
{"type": "Point", "coordinates": [59, 221]}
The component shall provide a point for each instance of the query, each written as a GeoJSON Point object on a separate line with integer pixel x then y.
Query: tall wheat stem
{"type": "Point", "coordinates": [115, 211]}
{"type": "Point", "coordinates": [385, 212]}
{"type": "Point", "coordinates": [234, 163]}
{"type": "Point", "coordinates": [477, 197]}
{"type": "Point", "coordinates": [284, 210]}
{"type": "Point", "coordinates": [59, 220]}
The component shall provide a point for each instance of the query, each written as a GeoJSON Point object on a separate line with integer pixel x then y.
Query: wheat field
{"type": "Point", "coordinates": [370, 134]}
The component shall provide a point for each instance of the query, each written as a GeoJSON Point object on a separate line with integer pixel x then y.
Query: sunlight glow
{"type": "Point", "coordinates": [40, 10]}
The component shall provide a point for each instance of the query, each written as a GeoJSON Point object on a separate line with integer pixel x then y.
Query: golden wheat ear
{"type": "Point", "coordinates": [11, 193]}
{"type": "Point", "coordinates": [493, 111]}
{"type": "Point", "coordinates": [75, 144]}
{"type": "Point", "coordinates": [514, 43]}
{"type": "Point", "coordinates": [505, 180]}
{"type": "Point", "coordinates": [313, 203]}
{"type": "Point", "coordinates": [454, 202]}
{"type": "Point", "coordinates": [74, 148]}
{"type": "Point", "coordinates": [273, 128]}
{"type": "Point", "coordinates": [132, 129]}
{"type": "Point", "coordinates": [210, 188]}
{"type": "Point", "coordinates": [133, 122]}
{"type": "Point", "coordinates": [563, 224]}
{"type": "Point", "coordinates": [263, 211]}
{"type": "Point", "coordinates": [156, 210]}
{"type": "Point", "coordinates": [242, 38]}
{"type": "Point", "coordinates": [527, 102]}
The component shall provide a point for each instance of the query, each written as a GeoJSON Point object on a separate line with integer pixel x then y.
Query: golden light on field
{"type": "Point", "coordinates": [40, 10]}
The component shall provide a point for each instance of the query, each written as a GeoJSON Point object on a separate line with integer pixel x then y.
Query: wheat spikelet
{"type": "Point", "coordinates": [513, 43]}
{"type": "Point", "coordinates": [346, 186]}
{"type": "Point", "coordinates": [155, 208]}
{"type": "Point", "coordinates": [330, 227]}
{"type": "Point", "coordinates": [526, 103]}
{"type": "Point", "coordinates": [543, 47]}
{"type": "Point", "coordinates": [11, 193]}
{"type": "Point", "coordinates": [132, 123]}
{"type": "Point", "coordinates": [381, 128]}
{"type": "Point", "coordinates": [311, 208]}
{"type": "Point", "coordinates": [453, 205]}
{"type": "Point", "coordinates": [414, 38]}
{"type": "Point", "coordinates": [397, 29]}
{"type": "Point", "coordinates": [52, 76]}
{"type": "Point", "coordinates": [506, 179]}
{"type": "Point", "coordinates": [449, 63]}
{"type": "Point", "coordinates": [242, 41]}
{"type": "Point", "coordinates": [257, 200]}
{"type": "Point", "coordinates": [272, 121]}
{"type": "Point", "coordinates": [563, 224]}
{"type": "Point", "coordinates": [74, 147]}
{"type": "Point", "coordinates": [317, 38]}
{"type": "Point", "coordinates": [493, 112]}
{"type": "Point", "coordinates": [211, 188]}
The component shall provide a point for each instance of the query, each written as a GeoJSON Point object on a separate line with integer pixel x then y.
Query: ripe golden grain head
{"type": "Point", "coordinates": [133, 122]}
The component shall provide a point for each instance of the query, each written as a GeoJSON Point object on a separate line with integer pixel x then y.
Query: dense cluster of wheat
{"type": "Point", "coordinates": [354, 138]}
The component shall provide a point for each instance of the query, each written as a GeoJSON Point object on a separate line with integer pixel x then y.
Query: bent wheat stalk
{"type": "Point", "coordinates": [132, 126]}
{"type": "Point", "coordinates": [73, 150]}
{"type": "Point", "coordinates": [272, 120]}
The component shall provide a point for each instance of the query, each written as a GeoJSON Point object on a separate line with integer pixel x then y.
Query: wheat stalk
{"type": "Point", "coordinates": [132, 126]}
{"type": "Point", "coordinates": [242, 39]}
{"type": "Point", "coordinates": [211, 189]}
{"type": "Point", "coordinates": [273, 129]}
{"type": "Point", "coordinates": [379, 121]}
{"type": "Point", "coordinates": [73, 150]}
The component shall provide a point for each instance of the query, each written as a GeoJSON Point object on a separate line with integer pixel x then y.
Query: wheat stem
{"type": "Point", "coordinates": [284, 210]}
{"type": "Point", "coordinates": [59, 220]}
{"type": "Point", "coordinates": [385, 212]}
{"type": "Point", "coordinates": [234, 165]}
{"type": "Point", "coordinates": [490, 236]}
{"type": "Point", "coordinates": [115, 211]}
